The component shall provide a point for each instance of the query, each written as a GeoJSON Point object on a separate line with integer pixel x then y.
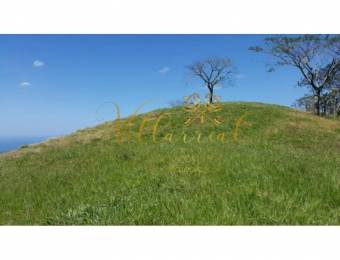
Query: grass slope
{"type": "Point", "coordinates": [283, 169]}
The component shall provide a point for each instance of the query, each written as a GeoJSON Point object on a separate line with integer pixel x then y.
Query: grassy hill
{"type": "Point", "coordinates": [281, 167]}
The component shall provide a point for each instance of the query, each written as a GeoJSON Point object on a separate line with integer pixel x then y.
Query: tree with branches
{"type": "Point", "coordinates": [317, 58]}
{"type": "Point", "coordinates": [213, 72]}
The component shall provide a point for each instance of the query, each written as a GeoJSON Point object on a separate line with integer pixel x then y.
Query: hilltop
{"type": "Point", "coordinates": [245, 163]}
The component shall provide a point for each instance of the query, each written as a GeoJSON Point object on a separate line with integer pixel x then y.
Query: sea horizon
{"type": "Point", "coordinates": [10, 143]}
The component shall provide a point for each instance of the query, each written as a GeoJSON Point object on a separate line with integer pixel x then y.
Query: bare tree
{"type": "Point", "coordinates": [213, 72]}
{"type": "Point", "coordinates": [317, 57]}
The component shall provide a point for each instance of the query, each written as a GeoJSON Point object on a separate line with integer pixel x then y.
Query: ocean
{"type": "Point", "coordinates": [12, 143]}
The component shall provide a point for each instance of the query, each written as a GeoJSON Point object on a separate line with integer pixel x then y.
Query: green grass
{"type": "Point", "coordinates": [284, 169]}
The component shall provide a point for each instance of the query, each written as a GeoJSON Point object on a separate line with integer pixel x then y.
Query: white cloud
{"type": "Point", "coordinates": [240, 76]}
{"type": "Point", "coordinates": [38, 63]}
{"type": "Point", "coordinates": [164, 70]}
{"type": "Point", "coordinates": [25, 84]}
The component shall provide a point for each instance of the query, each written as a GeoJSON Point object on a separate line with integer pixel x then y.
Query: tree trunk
{"type": "Point", "coordinates": [334, 109]}
{"type": "Point", "coordinates": [211, 92]}
{"type": "Point", "coordinates": [317, 103]}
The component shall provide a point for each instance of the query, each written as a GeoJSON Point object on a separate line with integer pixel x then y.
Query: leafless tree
{"type": "Point", "coordinates": [213, 72]}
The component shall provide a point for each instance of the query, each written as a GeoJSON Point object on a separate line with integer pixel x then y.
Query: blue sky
{"type": "Point", "coordinates": [55, 84]}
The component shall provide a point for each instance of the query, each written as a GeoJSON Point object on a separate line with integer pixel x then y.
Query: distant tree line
{"type": "Point", "coordinates": [329, 103]}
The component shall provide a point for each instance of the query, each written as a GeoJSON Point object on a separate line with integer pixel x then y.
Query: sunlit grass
{"type": "Point", "coordinates": [284, 168]}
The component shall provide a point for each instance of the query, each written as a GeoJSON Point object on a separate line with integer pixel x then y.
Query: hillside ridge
{"type": "Point", "coordinates": [283, 168]}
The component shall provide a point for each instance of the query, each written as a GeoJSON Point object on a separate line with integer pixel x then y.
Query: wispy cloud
{"type": "Point", "coordinates": [25, 84]}
{"type": "Point", "coordinates": [240, 76]}
{"type": "Point", "coordinates": [164, 70]}
{"type": "Point", "coordinates": [38, 63]}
